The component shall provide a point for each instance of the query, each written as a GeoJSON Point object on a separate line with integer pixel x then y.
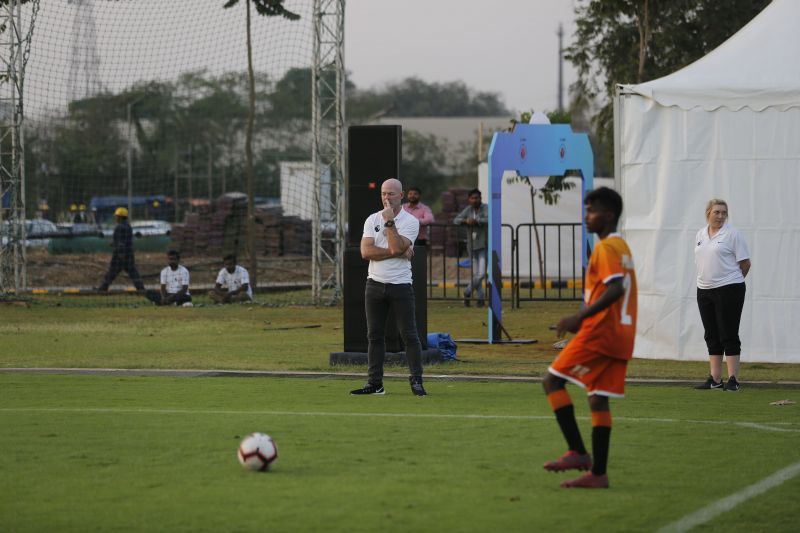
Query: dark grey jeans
{"type": "Point", "coordinates": [379, 298]}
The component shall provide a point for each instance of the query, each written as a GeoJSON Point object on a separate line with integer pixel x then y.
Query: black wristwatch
{"type": "Point", "coordinates": [388, 224]}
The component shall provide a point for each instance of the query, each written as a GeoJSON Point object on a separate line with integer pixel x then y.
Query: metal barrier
{"type": "Point", "coordinates": [448, 247]}
{"type": "Point", "coordinates": [567, 283]}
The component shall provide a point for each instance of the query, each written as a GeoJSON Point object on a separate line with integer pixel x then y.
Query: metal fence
{"type": "Point", "coordinates": [549, 270]}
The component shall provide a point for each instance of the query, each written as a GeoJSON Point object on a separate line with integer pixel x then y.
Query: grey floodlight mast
{"type": "Point", "coordinates": [327, 156]}
{"type": "Point", "coordinates": [14, 52]}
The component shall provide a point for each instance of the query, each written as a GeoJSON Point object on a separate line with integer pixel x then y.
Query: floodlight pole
{"type": "Point", "coordinates": [560, 34]}
{"type": "Point", "coordinates": [327, 154]}
{"type": "Point", "coordinates": [130, 155]}
{"type": "Point", "coordinates": [13, 272]}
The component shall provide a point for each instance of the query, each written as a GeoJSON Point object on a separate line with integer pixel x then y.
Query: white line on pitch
{"type": "Point", "coordinates": [724, 505]}
{"type": "Point", "coordinates": [112, 410]}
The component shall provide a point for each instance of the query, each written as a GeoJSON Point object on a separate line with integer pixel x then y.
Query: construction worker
{"type": "Point", "coordinates": [80, 217]}
{"type": "Point", "coordinates": [122, 255]}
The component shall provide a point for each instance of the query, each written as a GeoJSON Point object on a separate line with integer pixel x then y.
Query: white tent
{"type": "Point", "coordinates": [726, 126]}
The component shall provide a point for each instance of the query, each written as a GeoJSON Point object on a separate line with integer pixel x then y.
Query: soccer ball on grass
{"type": "Point", "coordinates": [257, 452]}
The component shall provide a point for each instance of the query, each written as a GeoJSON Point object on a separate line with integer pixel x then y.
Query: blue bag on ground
{"type": "Point", "coordinates": [444, 343]}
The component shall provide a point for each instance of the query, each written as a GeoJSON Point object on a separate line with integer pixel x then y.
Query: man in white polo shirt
{"type": "Point", "coordinates": [233, 283]}
{"type": "Point", "coordinates": [174, 284]}
{"type": "Point", "coordinates": [387, 243]}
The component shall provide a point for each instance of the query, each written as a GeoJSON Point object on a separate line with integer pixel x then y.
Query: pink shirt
{"type": "Point", "coordinates": [422, 212]}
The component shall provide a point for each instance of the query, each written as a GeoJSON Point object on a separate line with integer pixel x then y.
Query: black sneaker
{"type": "Point", "coordinates": [466, 302]}
{"type": "Point", "coordinates": [732, 385]}
{"type": "Point", "coordinates": [369, 388]}
{"type": "Point", "coordinates": [710, 384]}
{"type": "Point", "coordinates": [416, 387]}
{"type": "Point", "coordinates": [481, 303]}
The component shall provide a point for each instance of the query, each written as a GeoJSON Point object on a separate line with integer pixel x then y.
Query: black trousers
{"type": "Point", "coordinates": [118, 264]}
{"type": "Point", "coordinates": [379, 298]}
{"type": "Point", "coordinates": [721, 312]}
{"type": "Point", "coordinates": [155, 297]}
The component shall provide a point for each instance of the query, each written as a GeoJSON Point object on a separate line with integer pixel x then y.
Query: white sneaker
{"type": "Point", "coordinates": [188, 304]}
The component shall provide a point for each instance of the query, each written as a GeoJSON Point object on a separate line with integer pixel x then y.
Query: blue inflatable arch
{"type": "Point", "coordinates": [530, 150]}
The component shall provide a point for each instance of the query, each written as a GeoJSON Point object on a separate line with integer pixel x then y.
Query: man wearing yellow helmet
{"type": "Point", "coordinates": [80, 215]}
{"type": "Point", "coordinates": [122, 255]}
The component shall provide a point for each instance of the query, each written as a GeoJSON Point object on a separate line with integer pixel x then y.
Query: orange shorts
{"type": "Point", "coordinates": [598, 374]}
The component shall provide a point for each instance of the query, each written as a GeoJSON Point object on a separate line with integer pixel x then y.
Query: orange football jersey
{"type": "Point", "coordinates": [611, 331]}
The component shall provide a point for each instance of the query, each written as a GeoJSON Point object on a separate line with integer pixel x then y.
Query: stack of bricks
{"type": "Point", "coordinates": [221, 229]}
{"type": "Point", "coordinates": [296, 236]}
{"type": "Point", "coordinates": [213, 230]}
{"type": "Point", "coordinates": [269, 237]}
{"type": "Point", "coordinates": [453, 202]}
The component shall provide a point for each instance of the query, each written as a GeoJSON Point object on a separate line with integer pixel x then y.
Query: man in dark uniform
{"type": "Point", "coordinates": [122, 256]}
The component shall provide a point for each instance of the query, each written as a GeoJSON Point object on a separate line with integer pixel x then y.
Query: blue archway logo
{"type": "Point", "coordinates": [530, 150]}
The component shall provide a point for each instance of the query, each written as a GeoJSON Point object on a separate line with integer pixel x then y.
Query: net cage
{"type": "Point", "coordinates": [143, 105]}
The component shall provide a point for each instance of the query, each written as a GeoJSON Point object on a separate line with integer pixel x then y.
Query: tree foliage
{"type": "Point", "coordinates": [268, 8]}
{"type": "Point", "coordinates": [413, 97]}
{"type": "Point", "coordinates": [634, 41]}
{"type": "Point", "coordinates": [194, 125]}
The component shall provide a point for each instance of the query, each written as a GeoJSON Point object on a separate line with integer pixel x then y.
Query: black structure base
{"type": "Point", "coordinates": [486, 341]}
{"type": "Point", "coordinates": [429, 356]}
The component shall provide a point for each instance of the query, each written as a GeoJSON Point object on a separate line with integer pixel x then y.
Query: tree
{"type": "Point", "coordinates": [634, 41]}
{"type": "Point", "coordinates": [550, 192]}
{"type": "Point", "coordinates": [266, 8]}
{"type": "Point", "coordinates": [87, 151]}
{"type": "Point", "coordinates": [291, 97]}
{"type": "Point", "coordinates": [414, 97]}
{"type": "Point", "coordinates": [422, 164]}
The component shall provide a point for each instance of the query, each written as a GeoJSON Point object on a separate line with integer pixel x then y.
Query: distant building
{"type": "Point", "coordinates": [297, 191]}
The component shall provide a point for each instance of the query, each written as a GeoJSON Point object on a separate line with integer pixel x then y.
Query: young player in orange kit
{"type": "Point", "coordinates": [597, 357]}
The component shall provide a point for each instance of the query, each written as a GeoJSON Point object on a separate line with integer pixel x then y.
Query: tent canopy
{"type": "Point", "coordinates": [726, 126]}
{"type": "Point", "coordinates": [756, 68]}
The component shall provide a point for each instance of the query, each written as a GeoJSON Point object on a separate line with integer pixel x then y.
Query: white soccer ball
{"type": "Point", "coordinates": [257, 452]}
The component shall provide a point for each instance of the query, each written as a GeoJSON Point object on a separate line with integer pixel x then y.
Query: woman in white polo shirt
{"type": "Point", "coordinates": [722, 261]}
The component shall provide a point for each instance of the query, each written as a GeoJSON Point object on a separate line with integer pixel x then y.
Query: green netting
{"type": "Point", "coordinates": [143, 104]}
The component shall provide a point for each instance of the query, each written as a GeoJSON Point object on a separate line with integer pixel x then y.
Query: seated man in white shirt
{"type": "Point", "coordinates": [233, 283]}
{"type": "Point", "coordinates": [174, 284]}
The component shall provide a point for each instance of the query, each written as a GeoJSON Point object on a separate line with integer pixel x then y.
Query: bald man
{"type": "Point", "coordinates": [387, 243]}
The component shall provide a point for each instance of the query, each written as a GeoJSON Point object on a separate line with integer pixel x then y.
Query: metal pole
{"type": "Point", "coordinates": [129, 161]}
{"type": "Point", "coordinates": [316, 167]}
{"type": "Point", "coordinates": [130, 154]}
{"type": "Point", "coordinates": [560, 34]}
{"type": "Point", "coordinates": [189, 179]}
{"type": "Point", "coordinates": [21, 155]}
{"type": "Point", "coordinates": [328, 79]}
{"type": "Point", "coordinates": [210, 185]}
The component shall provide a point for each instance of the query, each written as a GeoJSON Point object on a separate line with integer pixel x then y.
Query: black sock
{"type": "Point", "coordinates": [601, 438]}
{"type": "Point", "coordinates": [569, 427]}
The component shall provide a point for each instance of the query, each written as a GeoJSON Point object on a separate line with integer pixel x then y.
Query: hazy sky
{"type": "Point", "coordinates": [504, 46]}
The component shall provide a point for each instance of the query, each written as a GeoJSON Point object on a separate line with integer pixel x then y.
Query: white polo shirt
{"type": "Point", "coordinates": [175, 279]}
{"type": "Point", "coordinates": [397, 269]}
{"type": "Point", "coordinates": [233, 281]}
{"type": "Point", "coordinates": [717, 258]}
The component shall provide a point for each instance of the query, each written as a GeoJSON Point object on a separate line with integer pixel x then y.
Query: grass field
{"type": "Point", "coordinates": [274, 338]}
{"type": "Point", "coordinates": [96, 453]}
{"type": "Point", "coordinates": [112, 453]}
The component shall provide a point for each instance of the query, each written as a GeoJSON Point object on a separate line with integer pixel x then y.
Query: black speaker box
{"type": "Point", "coordinates": [373, 156]}
{"type": "Point", "coordinates": [355, 320]}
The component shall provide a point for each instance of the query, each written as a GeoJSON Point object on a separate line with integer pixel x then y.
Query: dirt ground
{"type": "Point", "coordinates": [87, 270]}
{"type": "Point", "coordinates": [82, 271]}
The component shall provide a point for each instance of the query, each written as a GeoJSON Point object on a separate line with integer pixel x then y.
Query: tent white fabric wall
{"type": "Point", "coordinates": [727, 126]}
